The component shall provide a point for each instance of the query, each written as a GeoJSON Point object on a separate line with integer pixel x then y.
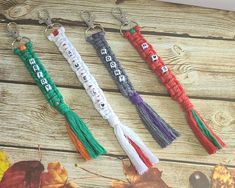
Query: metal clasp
{"type": "Point", "coordinates": [121, 16]}
{"type": "Point", "coordinates": [89, 19]}
{"type": "Point", "coordinates": [13, 30]}
{"type": "Point", "coordinates": [44, 18]}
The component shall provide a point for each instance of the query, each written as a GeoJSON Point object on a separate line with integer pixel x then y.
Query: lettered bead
{"type": "Point", "coordinates": [117, 72]}
{"type": "Point", "coordinates": [144, 46]}
{"type": "Point", "coordinates": [36, 68]}
{"type": "Point", "coordinates": [48, 87]}
{"type": "Point", "coordinates": [154, 57]}
{"type": "Point", "coordinates": [164, 69]}
{"type": "Point", "coordinates": [103, 51]}
{"type": "Point", "coordinates": [32, 61]}
{"type": "Point", "coordinates": [39, 75]}
{"type": "Point", "coordinates": [113, 64]}
{"type": "Point", "coordinates": [108, 58]}
{"type": "Point", "coordinates": [122, 78]}
{"type": "Point", "coordinates": [43, 81]}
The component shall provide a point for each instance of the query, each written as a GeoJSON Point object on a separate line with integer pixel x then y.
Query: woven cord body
{"type": "Point", "coordinates": [159, 129]}
{"type": "Point", "coordinates": [205, 135]}
{"type": "Point", "coordinates": [84, 141]}
{"type": "Point", "coordinates": [141, 157]}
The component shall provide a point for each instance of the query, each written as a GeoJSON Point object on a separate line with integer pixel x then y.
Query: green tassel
{"type": "Point", "coordinates": [82, 132]}
{"type": "Point", "coordinates": [55, 98]}
{"type": "Point", "coordinates": [205, 131]}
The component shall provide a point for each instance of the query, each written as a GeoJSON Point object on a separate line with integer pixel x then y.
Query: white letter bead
{"type": "Point", "coordinates": [103, 51]}
{"type": "Point", "coordinates": [39, 75]}
{"type": "Point", "coordinates": [48, 87]}
{"type": "Point", "coordinates": [164, 69]}
{"type": "Point", "coordinates": [144, 46]}
{"type": "Point", "coordinates": [113, 64]}
{"type": "Point", "coordinates": [108, 58]}
{"type": "Point", "coordinates": [69, 53]}
{"type": "Point", "coordinates": [43, 81]}
{"type": "Point", "coordinates": [32, 61]}
{"type": "Point", "coordinates": [117, 72]}
{"type": "Point", "coordinates": [154, 57]}
{"type": "Point", "coordinates": [122, 78]}
{"type": "Point", "coordinates": [36, 68]}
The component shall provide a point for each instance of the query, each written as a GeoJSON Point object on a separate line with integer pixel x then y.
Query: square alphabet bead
{"type": "Point", "coordinates": [48, 87]}
{"type": "Point", "coordinates": [43, 81]}
{"type": "Point", "coordinates": [122, 78]}
{"type": "Point", "coordinates": [164, 69]}
{"type": "Point", "coordinates": [103, 51]}
{"type": "Point", "coordinates": [36, 68]}
{"type": "Point", "coordinates": [32, 62]}
{"type": "Point", "coordinates": [113, 64]}
{"type": "Point", "coordinates": [154, 57]}
{"type": "Point", "coordinates": [144, 46]}
{"type": "Point", "coordinates": [117, 72]}
{"type": "Point", "coordinates": [108, 58]}
{"type": "Point", "coordinates": [39, 75]}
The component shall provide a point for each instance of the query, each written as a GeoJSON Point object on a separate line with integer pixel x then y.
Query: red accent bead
{"type": "Point", "coordinates": [55, 32]}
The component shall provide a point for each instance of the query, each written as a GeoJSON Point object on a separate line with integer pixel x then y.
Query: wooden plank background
{"type": "Point", "coordinates": [198, 44]}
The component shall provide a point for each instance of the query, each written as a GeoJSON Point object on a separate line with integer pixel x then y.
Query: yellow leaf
{"type": "Point", "coordinates": [4, 163]}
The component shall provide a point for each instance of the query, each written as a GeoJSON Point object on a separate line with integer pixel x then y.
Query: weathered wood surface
{"type": "Point", "coordinates": [196, 43]}
{"type": "Point", "coordinates": [202, 66]}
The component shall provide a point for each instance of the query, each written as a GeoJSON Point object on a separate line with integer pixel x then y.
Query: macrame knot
{"type": "Point", "coordinates": [114, 121]}
{"type": "Point", "coordinates": [136, 98]}
{"type": "Point", "coordinates": [186, 104]}
{"type": "Point", "coordinates": [63, 108]}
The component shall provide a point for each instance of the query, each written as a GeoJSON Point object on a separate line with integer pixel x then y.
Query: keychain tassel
{"type": "Point", "coordinates": [140, 156]}
{"type": "Point", "coordinates": [80, 130]}
{"type": "Point", "coordinates": [202, 131]}
{"type": "Point", "coordinates": [158, 128]}
{"type": "Point", "coordinates": [82, 138]}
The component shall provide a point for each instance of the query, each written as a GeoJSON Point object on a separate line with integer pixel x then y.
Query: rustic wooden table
{"type": "Point", "coordinates": [196, 43]}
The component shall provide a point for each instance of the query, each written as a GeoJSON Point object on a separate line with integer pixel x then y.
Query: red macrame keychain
{"type": "Point", "coordinates": [203, 132]}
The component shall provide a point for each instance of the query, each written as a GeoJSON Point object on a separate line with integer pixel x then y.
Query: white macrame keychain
{"type": "Point", "coordinates": [139, 154]}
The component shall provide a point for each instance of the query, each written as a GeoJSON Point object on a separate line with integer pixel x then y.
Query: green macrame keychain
{"type": "Point", "coordinates": [80, 135]}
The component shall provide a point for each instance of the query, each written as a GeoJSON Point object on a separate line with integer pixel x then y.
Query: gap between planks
{"type": "Point", "coordinates": [116, 156]}
{"type": "Point", "coordinates": [117, 91]}
{"type": "Point", "coordinates": [65, 22]}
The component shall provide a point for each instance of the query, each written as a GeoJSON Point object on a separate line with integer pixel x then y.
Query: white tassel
{"type": "Point", "coordinates": [122, 132]}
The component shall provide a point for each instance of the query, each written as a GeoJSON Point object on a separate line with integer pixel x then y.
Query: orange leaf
{"type": "Point", "coordinates": [55, 177]}
{"type": "Point", "coordinates": [152, 178]}
{"type": "Point", "coordinates": [222, 177]}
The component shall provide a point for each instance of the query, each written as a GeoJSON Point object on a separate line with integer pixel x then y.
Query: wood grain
{"type": "Point", "coordinates": [32, 121]}
{"type": "Point", "coordinates": [102, 171]}
{"type": "Point", "coordinates": [198, 44]}
{"type": "Point", "coordinates": [154, 16]}
{"type": "Point", "coordinates": [196, 62]}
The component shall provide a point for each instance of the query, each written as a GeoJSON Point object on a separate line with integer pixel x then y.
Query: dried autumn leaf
{"type": "Point", "coordinates": [150, 179]}
{"type": "Point", "coordinates": [4, 163]}
{"type": "Point", "coordinates": [23, 174]}
{"type": "Point", "coordinates": [55, 177]}
{"type": "Point", "coordinates": [222, 177]}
